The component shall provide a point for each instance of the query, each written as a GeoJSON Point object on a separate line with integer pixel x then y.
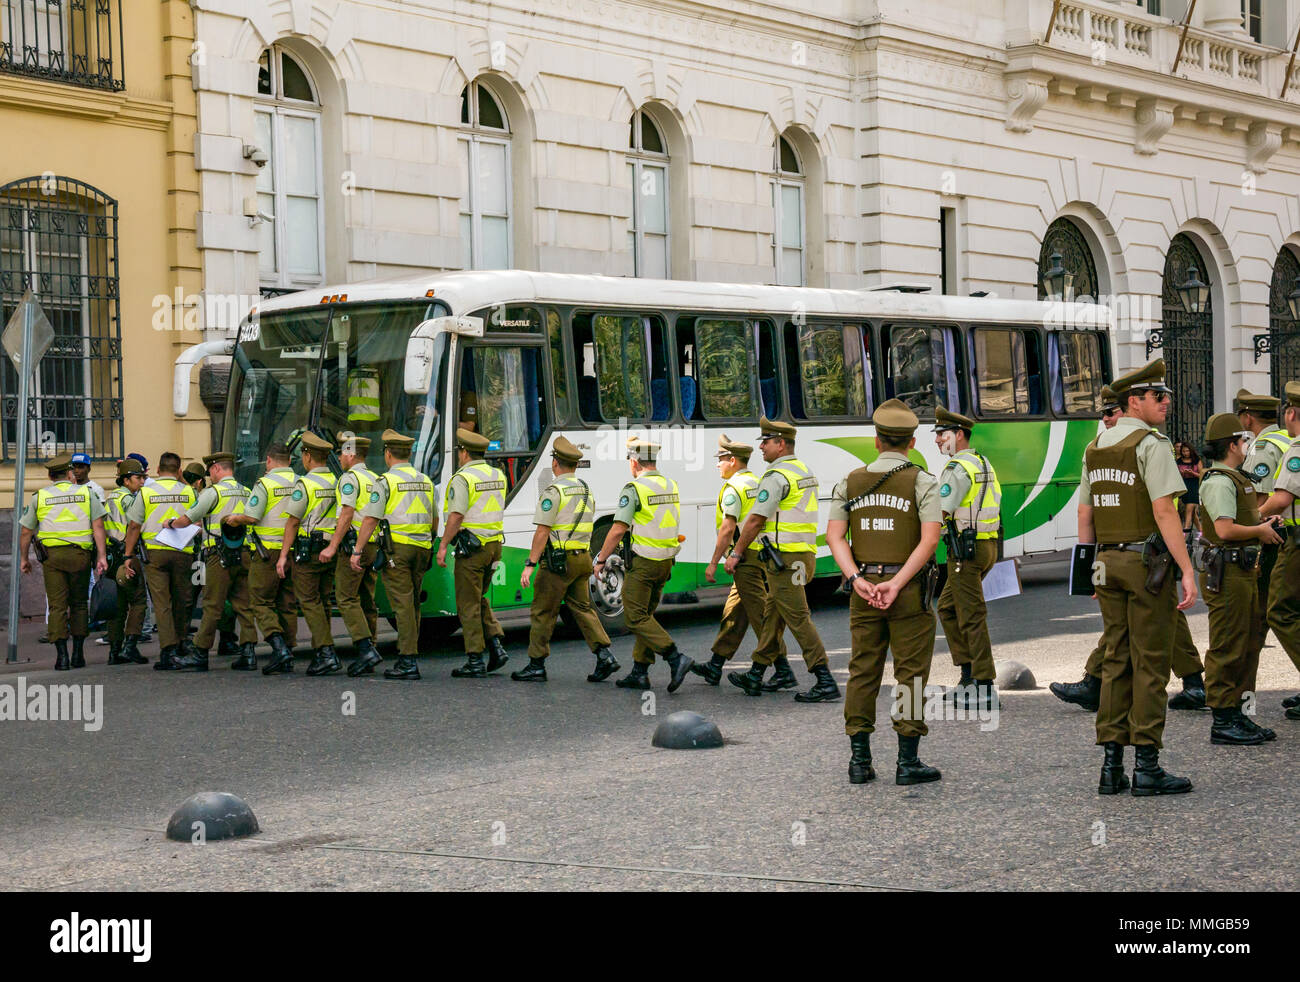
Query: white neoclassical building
{"type": "Point", "coordinates": [965, 144]}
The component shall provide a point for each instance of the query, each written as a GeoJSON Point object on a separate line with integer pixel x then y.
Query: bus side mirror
{"type": "Point", "coordinates": [420, 348]}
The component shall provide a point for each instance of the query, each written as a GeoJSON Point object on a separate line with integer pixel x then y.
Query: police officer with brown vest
{"type": "Point", "coordinates": [1284, 590]}
{"type": "Point", "coordinates": [67, 521]}
{"type": "Point", "coordinates": [561, 555]}
{"type": "Point", "coordinates": [1127, 505]}
{"type": "Point", "coordinates": [783, 521]}
{"type": "Point", "coordinates": [883, 529]}
{"type": "Point", "coordinates": [1234, 533]}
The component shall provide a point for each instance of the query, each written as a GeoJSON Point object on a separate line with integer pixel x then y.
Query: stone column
{"type": "Point", "coordinates": [1223, 16]}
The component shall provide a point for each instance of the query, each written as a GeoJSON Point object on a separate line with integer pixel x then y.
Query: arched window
{"type": "Point", "coordinates": [1064, 239]}
{"type": "Point", "coordinates": [788, 218]}
{"type": "Point", "coordinates": [485, 180]}
{"type": "Point", "coordinates": [647, 165]}
{"type": "Point", "coordinates": [291, 228]}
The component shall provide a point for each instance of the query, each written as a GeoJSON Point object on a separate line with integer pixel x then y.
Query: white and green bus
{"type": "Point", "coordinates": [595, 359]}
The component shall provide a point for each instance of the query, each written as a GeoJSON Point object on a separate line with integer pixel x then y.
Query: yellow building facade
{"type": "Point", "coordinates": [98, 198]}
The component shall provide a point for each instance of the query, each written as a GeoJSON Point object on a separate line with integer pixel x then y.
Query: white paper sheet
{"type": "Point", "coordinates": [1003, 580]}
{"type": "Point", "coordinates": [180, 538]}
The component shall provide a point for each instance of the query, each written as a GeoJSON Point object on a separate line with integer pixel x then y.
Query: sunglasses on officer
{"type": "Point", "coordinates": [1110, 411]}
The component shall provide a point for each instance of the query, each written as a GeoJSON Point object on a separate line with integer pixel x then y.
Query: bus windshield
{"type": "Point", "coordinates": [338, 369]}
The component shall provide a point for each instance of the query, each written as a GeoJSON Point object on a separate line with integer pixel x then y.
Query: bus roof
{"type": "Point", "coordinates": [466, 292]}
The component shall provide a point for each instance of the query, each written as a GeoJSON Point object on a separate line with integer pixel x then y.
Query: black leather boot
{"type": "Point", "coordinates": [960, 691]}
{"type": "Point", "coordinates": [326, 661]}
{"type": "Point", "coordinates": [61, 663]}
{"type": "Point", "coordinates": [751, 681]}
{"type": "Point", "coordinates": [1086, 693]}
{"type": "Point", "coordinates": [1291, 702]}
{"type": "Point", "coordinates": [367, 658]}
{"type": "Point", "coordinates": [1113, 779]}
{"type": "Point", "coordinates": [1254, 727]}
{"type": "Point", "coordinates": [711, 670]}
{"type": "Point", "coordinates": [227, 645]}
{"type": "Point", "coordinates": [131, 652]}
{"type": "Point", "coordinates": [247, 660]}
{"type": "Point", "coordinates": [678, 666]}
{"type": "Point", "coordinates": [860, 769]}
{"type": "Point", "coordinates": [1149, 778]}
{"type": "Point", "coordinates": [78, 652]}
{"type": "Point", "coordinates": [496, 654]}
{"type": "Point", "coordinates": [405, 669]}
{"type": "Point", "coordinates": [534, 671]}
{"type": "Point", "coordinates": [782, 676]}
{"type": "Point", "coordinates": [1193, 694]}
{"type": "Point", "coordinates": [115, 653]}
{"type": "Point", "coordinates": [166, 659]}
{"type": "Point", "coordinates": [474, 668]}
{"type": "Point", "coordinates": [606, 665]}
{"type": "Point", "coordinates": [984, 695]}
{"type": "Point", "coordinates": [1229, 729]}
{"type": "Point", "coordinates": [638, 678]}
{"type": "Point", "coordinates": [824, 690]}
{"type": "Point", "coordinates": [1292, 713]}
{"type": "Point", "coordinates": [910, 768]}
{"type": "Point", "coordinates": [281, 656]}
{"type": "Point", "coordinates": [191, 658]}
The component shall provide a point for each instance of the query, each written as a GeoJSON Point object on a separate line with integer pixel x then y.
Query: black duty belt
{"type": "Point", "coordinates": [1120, 547]}
{"type": "Point", "coordinates": [879, 569]}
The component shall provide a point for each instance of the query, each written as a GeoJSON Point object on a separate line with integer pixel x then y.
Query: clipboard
{"type": "Point", "coordinates": [1082, 558]}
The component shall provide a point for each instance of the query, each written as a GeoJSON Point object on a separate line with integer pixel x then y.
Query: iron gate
{"type": "Point", "coordinates": [1187, 341]}
{"type": "Point", "coordinates": [1282, 342]}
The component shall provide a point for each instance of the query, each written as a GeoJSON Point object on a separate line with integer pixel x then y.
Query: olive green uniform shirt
{"type": "Point", "coordinates": [1156, 464]}
{"type": "Point", "coordinates": [928, 508]}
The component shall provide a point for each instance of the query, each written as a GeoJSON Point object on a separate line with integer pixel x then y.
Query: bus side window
{"type": "Point", "coordinates": [619, 366]}
{"type": "Point", "coordinates": [768, 374]}
{"type": "Point", "coordinates": [1007, 371]}
{"type": "Point", "coordinates": [688, 383]}
{"type": "Point", "coordinates": [720, 369]}
{"type": "Point", "coordinates": [921, 367]}
{"type": "Point", "coordinates": [584, 362]}
{"type": "Point", "coordinates": [661, 398]}
{"type": "Point", "coordinates": [833, 371]}
{"type": "Point", "coordinates": [559, 371]}
{"type": "Point", "coordinates": [511, 402]}
{"type": "Point", "coordinates": [1075, 369]}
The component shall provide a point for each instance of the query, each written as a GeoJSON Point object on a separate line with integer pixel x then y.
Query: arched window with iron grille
{"type": "Point", "coordinates": [1187, 342]}
{"type": "Point", "coordinates": [58, 238]}
{"type": "Point", "coordinates": [1282, 342]}
{"type": "Point", "coordinates": [1063, 238]}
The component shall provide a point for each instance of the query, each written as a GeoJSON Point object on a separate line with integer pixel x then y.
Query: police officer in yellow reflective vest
{"type": "Point", "coordinates": [971, 497]}
{"type": "Point", "coordinates": [169, 572]}
{"type": "Point", "coordinates": [132, 598]}
{"type": "Point", "coordinates": [882, 530]}
{"type": "Point", "coordinates": [1258, 414]}
{"type": "Point", "coordinates": [354, 590]}
{"type": "Point", "coordinates": [560, 554]}
{"type": "Point", "coordinates": [402, 498]}
{"type": "Point", "coordinates": [475, 506]}
{"type": "Point", "coordinates": [784, 522]}
{"type": "Point", "coordinates": [649, 506]}
{"type": "Point", "coordinates": [1234, 533]}
{"type": "Point", "coordinates": [67, 521]}
{"type": "Point", "coordinates": [1127, 506]}
{"type": "Point", "coordinates": [307, 530]}
{"type": "Point", "coordinates": [1284, 590]}
{"type": "Point", "coordinates": [271, 595]}
{"type": "Point", "coordinates": [225, 567]}
{"type": "Point", "coordinates": [748, 604]}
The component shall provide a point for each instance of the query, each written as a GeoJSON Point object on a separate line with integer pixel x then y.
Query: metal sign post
{"type": "Point", "coordinates": [26, 339]}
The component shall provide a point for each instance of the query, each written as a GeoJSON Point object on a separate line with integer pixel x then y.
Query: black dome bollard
{"type": "Point", "coordinates": [218, 814]}
{"type": "Point", "coordinates": [687, 731]}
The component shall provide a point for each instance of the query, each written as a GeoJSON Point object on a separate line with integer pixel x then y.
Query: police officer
{"type": "Point", "coordinates": [747, 604]}
{"type": "Point", "coordinates": [309, 526]}
{"type": "Point", "coordinates": [1087, 690]}
{"type": "Point", "coordinates": [475, 504]}
{"type": "Point", "coordinates": [67, 521]}
{"type": "Point", "coordinates": [1232, 528]}
{"type": "Point", "coordinates": [971, 497]}
{"type": "Point", "coordinates": [402, 498]}
{"type": "Point", "coordinates": [168, 571]}
{"type": "Point", "coordinates": [222, 498]}
{"type": "Point", "coordinates": [128, 615]}
{"type": "Point", "coordinates": [354, 590]}
{"type": "Point", "coordinates": [561, 545]}
{"type": "Point", "coordinates": [649, 506]}
{"type": "Point", "coordinates": [883, 529]}
{"type": "Point", "coordinates": [1284, 589]}
{"type": "Point", "coordinates": [1258, 414]}
{"type": "Point", "coordinates": [785, 512]}
{"type": "Point", "coordinates": [270, 594]}
{"type": "Point", "coordinates": [194, 474]}
{"type": "Point", "coordinates": [1127, 505]}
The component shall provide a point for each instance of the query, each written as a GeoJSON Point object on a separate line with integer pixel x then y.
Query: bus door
{"type": "Point", "coordinates": [502, 394]}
